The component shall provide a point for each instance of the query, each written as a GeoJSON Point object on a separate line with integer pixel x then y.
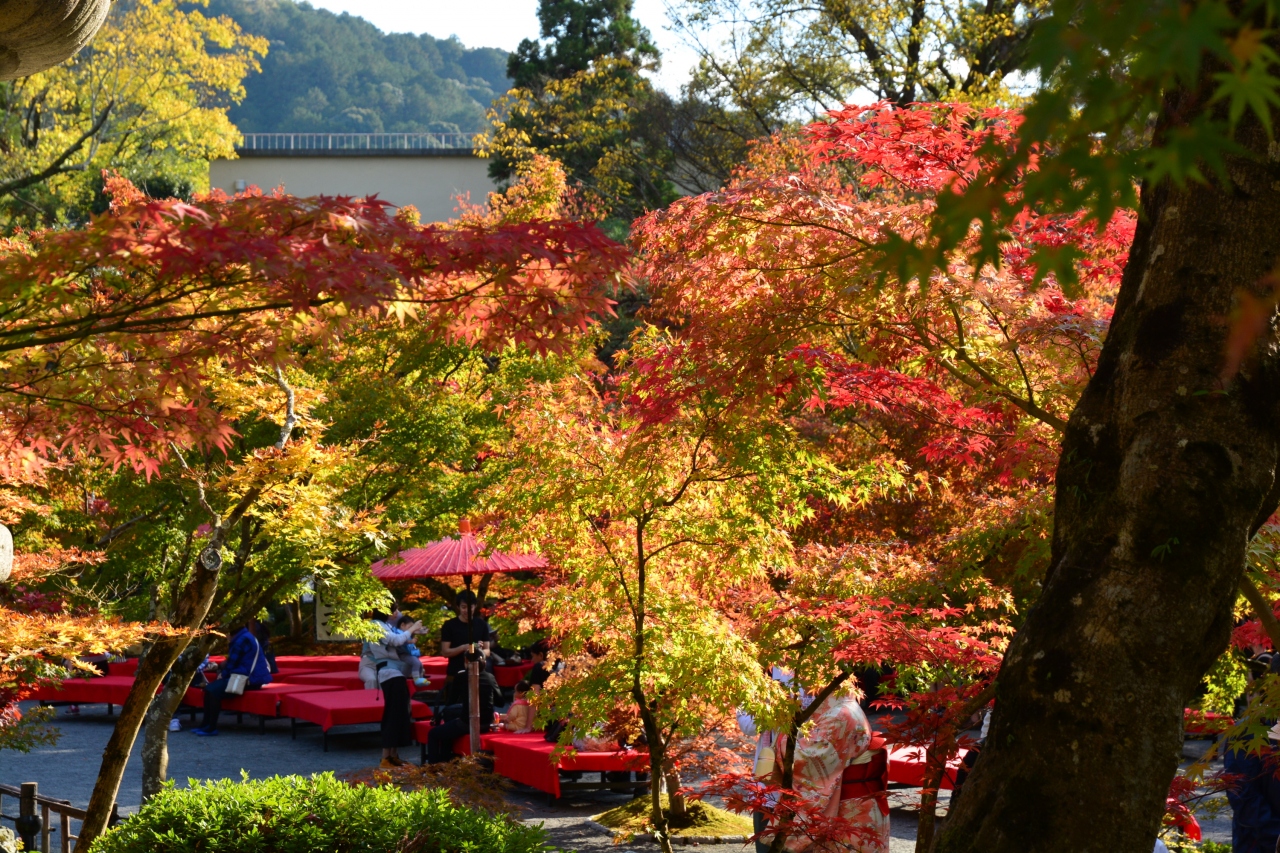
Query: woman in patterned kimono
{"type": "Point", "coordinates": [839, 770]}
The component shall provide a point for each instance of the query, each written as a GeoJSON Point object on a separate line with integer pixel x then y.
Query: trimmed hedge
{"type": "Point", "coordinates": [293, 814]}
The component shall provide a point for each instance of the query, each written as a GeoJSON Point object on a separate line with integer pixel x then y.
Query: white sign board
{"type": "Point", "coordinates": [323, 634]}
{"type": "Point", "coordinates": [6, 553]}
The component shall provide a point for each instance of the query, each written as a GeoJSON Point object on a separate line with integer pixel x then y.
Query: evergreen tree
{"type": "Point", "coordinates": [580, 99]}
{"type": "Point", "coordinates": [576, 33]}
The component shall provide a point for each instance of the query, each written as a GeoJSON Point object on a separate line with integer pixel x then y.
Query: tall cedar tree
{"type": "Point", "coordinates": [580, 99]}
{"type": "Point", "coordinates": [575, 33]}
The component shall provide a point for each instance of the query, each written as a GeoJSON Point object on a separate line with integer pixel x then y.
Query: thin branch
{"type": "Point", "coordinates": [290, 413]}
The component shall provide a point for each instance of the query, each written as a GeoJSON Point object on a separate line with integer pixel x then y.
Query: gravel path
{"type": "Point", "coordinates": [67, 770]}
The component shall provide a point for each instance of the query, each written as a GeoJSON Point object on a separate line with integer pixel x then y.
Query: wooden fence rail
{"type": "Point", "coordinates": [29, 800]}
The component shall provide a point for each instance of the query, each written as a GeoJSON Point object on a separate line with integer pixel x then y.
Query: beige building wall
{"type": "Point", "coordinates": [430, 183]}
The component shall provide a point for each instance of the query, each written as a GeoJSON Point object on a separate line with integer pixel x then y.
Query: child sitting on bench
{"type": "Point", "coordinates": [519, 717]}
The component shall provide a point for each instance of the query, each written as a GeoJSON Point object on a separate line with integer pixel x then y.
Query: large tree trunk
{"type": "Point", "coordinates": [679, 806]}
{"type": "Point", "coordinates": [1166, 472]}
{"type": "Point", "coordinates": [155, 731]}
{"type": "Point", "coordinates": [193, 605]}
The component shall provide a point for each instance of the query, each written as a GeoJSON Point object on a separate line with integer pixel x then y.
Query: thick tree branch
{"type": "Point", "coordinates": [56, 166]}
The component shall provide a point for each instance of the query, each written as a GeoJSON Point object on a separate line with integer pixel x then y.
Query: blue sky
{"type": "Point", "coordinates": [503, 23]}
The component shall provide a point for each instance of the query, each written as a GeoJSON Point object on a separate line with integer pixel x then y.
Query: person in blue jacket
{"type": "Point", "coordinates": [244, 657]}
{"type": "Point", "coordinates": [1255, 802]}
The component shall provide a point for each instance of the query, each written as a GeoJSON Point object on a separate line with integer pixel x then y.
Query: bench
{"type": "Point", "coordinates": [529, 759]}
{"type": "Point", "coordinates": [110, 690]}
{"type": "Point", "coordinates": [906, 768]}
{"type": "Point", "coordinates": [263, 702]}
{"type": "Point", "coordinates": [339, 708]}
{"type": "Point", "coordinates": [337, 680]}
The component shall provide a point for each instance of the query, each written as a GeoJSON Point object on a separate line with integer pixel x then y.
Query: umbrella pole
{"type": "Point", "coordinates": [473, 699]}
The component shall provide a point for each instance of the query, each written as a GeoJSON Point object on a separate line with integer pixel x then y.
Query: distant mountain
{"type": "Point", "coordinates": [341, 74]}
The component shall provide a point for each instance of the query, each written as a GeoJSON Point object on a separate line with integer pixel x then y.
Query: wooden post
{"type": "Point", "coordinates": [473, 699]}
{"type": "Point", "coordinates": [28, 822]}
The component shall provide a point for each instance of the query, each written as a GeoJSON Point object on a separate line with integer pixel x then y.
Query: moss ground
{"type": "Point", "coordinates": [702, 819]}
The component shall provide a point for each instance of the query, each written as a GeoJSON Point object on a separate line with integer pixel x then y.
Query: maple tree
{"type": "Point", "coordinates": [946, 400]}
{"type": "Point", "coordinates": [788, 281]}
{"type": "Point", "coordinates": [107, 357]}
{"type": "Point", "coordinates": [112, 333]}
{"type": "Point", "coordinates": [41, 644]}
{"type": "Point", "coordinates": [652, 517]}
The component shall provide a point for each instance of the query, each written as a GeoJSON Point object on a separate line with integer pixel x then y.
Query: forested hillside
{"type": "Point", "coordinates": [327, 72]}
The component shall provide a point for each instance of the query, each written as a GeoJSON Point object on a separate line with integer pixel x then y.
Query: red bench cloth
{"type": "Point", "coordinates": [528, 759]}
{"type": "Point", "coordinates": [347, 680]}
{"type": "Point", "coordinates": [108, 690]}
{"type": "Point", "coordinates": [435, 665]}
{"type": "Point", "coordinates": [342, 680]}
{"type": "Point", "coordinates": [510, 676]}
{"type": "Point", "coordinates": [906, 767]}
{"type": "Point", "coordinates": [129, 667]}
{"type": "Point", "coordinates": [341, 707]}
{"type": "Point", "coordinates": [264, 701]}
{"type": "Point", "coordinates": [318, 663]}
{"type": "Point", "coordinates": [1196, 722]}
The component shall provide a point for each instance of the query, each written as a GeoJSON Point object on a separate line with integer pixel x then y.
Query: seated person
{"type": "Point", "coordinates": [499, 654]}
{"type": "Point", "coordinates": [457, 720]}
{"type": "Point", "coordinates": [519, 716]}
{"type": "Point", "coordinates": [263, 633]}
{"type": "Point", "coordinates": [540, 672]}
{"type": "Point", "coordinates": [244, 657]}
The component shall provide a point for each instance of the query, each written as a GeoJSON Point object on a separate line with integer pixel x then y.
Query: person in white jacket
{"type": "Point", "coordinates": [397, 725]}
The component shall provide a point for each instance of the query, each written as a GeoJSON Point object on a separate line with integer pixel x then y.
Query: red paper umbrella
{"type": "Point", "coordinates": [459, 556]}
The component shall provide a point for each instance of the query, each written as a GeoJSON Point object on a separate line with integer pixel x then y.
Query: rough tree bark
{"type": "Point", "coordinates": [1167, 470]}
{"type": "Point", "coordinates": [192, 607]}
{"type": "Point", "coordinates": [155, 732]}
{"type": "Point", "coordinates": [679, 806]}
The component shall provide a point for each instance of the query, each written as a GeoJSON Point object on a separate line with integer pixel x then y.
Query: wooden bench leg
{"type": "Point", "coordinates": [262, 725]}
{"type": "Point", "coordinates": [293, 728]}
{"type": "Point", "coordinates": [326, 740]}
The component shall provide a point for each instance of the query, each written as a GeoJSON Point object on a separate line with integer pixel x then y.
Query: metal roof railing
{"type": "Point", "coordinates": [357, 141]}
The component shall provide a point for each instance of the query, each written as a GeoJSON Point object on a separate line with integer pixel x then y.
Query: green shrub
{"type": "Point", "coordinates": [292, 814]}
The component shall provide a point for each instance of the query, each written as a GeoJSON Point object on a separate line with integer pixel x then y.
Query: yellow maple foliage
{"type": "Point", "coordinates": [148, 98]}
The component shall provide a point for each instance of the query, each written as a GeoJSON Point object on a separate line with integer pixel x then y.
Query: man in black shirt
{"type": "Point", "coordinates": [456, 637]}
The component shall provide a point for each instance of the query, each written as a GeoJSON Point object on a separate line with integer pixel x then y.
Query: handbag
{"type": "Point", "coordinates": [237, 682]}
